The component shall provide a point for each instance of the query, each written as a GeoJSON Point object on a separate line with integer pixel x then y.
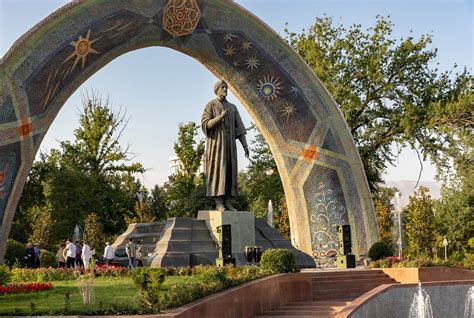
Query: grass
{"type": "Point", "coordinates": [110, 291]}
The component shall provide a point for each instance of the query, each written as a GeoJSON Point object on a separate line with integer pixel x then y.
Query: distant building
{"type": "Point", "coordinates": [175, 165]}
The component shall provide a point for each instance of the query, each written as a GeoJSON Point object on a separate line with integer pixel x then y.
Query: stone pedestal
{"type": "Point", "coordinates": [242, 227]}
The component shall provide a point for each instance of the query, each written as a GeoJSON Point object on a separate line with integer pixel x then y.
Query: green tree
{"type": "Point", "coordinates": [454, 213]}
{"type": "Point", "coordinates": [186, 189]}
{"type": "Point", "coordinates": [158, 203]}
{"type": "Point", "coordinates": [419, 223]}
{"type": "Point", "coordinates": [91, 173]}
{"type": "Point", "coordinates": [93, 232]}
{"type": "Point", "coordinates": [383, 213]}
{"type": "Point", "coordinates": [43, 223]}
{"type": "Point", "coordinates": [96, 148]}
{"type": "Point", "coordinates": [385, 87]}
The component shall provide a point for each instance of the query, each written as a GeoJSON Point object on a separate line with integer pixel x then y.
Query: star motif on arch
{"type": "Point", "coordinates": [252, 63]}
{"type": "Point", "coordinates": [294, 90]}
{"type": "Point", "coordinates": [229, 50]}
{"type": "Point", "coordinates": [246, 45]}
{"type": "Point", "coordinates": [82, 48]}
{"type": "Point", "coordinates": [228, 37]}
{"type": "Point", "coordinates": [288, 110]}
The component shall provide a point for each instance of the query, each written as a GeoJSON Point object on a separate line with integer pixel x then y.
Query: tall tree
{"type": "Point", "coordinates": [419, 223]}
{"type": "Point", "coordinates": [383, 213]}
{"type": "Point", "coordinates": [385, 88]}
{"type": "Point", "coordinates": [93, 232]}
{"type": "Point", "coordinates": [96, 148]}
{"type": "Point", "coordinates": [186, 189]}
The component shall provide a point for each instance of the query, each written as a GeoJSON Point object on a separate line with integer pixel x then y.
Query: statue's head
{"type": "Point", "coordinates": [220, 89]}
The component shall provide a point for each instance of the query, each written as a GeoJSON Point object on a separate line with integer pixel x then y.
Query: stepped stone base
{"type": "Point", "coordinates": [183, 242]}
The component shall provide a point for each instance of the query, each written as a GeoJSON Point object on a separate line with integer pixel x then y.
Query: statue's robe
{"type": "Point", "coordinates": [221, 150]}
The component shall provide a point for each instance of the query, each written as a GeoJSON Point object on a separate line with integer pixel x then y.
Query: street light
{"type": "Point", "coordinates": [399, 241]}
{"type": "Point", "coordinates": [445, 243]}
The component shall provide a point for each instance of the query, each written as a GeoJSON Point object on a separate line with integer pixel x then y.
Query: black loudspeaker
{"type": "Point", "coordinates": [346, 261]}
{"type": "Point", "coordinates": [225, 241]}
{"type": "Point", "coordinates": [345, 244]}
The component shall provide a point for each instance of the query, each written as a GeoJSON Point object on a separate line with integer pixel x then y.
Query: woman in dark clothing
{"type": "Point", "coordinates": [29, 256]}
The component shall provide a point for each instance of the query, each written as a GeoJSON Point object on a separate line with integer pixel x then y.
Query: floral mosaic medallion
{"type": "Point", "coordinates": [180, 17]}
{"type": "Point", "coordinates": [327, 215]}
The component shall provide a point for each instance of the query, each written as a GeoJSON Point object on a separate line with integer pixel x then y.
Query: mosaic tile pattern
{"type": "Point", "coordinates": [323, 178]}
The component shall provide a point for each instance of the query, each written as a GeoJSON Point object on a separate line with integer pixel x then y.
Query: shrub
{"type": "Point", "coordinates": [456, 256]}
{"type": "Point", "coordinates": [278, 260]}
{"type": "Point", "coordinates": [149, 281]}
{"type": "Point", "coordinates": [380, 250]}
{"type": "Point", "coordinates": [14, 253]}
{"type": "Point", "coordinates": [47, 259]}
{"type": "Point", "coordinates": [183, 293]}
{"type": "Point", "coordinates": [215, 278]}
{"type": "Point", "coordinates": [5, 275]}
{"type": "Point", "coordinates": [469, 261]}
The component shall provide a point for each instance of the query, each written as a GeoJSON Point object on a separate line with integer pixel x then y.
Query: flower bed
{"type": "Point", "coordinates": [24, 288]}
{"type": "Point", "coordinates": [43, 275]}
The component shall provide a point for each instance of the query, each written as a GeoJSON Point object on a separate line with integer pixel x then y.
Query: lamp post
{"type": "Point", "coordinates": [445, 243]}
{"type": "Point", "coordinates": [399, 241]}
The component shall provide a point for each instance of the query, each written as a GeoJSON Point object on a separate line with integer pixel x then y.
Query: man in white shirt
{"type": "Point", "coordinates": [70, 253]}
{"type": "Point", "coordinates": [86, 254]}
{"type": "Point", "coordinates": [109, 253]}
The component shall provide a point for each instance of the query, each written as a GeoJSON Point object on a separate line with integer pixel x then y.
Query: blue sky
{"type": "Point", "coordinates": [159, 88]}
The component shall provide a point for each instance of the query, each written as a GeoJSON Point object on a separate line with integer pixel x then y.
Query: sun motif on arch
{"type": "Point", "coordinates": [82, 48]}
{"type": "Point", "coordinates": [269, 88]}
{"type": "Point", "coordinates": [288, 110]}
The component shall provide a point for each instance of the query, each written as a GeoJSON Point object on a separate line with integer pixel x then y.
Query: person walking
{"type": "Point", "coordinates": [37, 250]}
{"type": "Point", "coordinates": [70, 254]}
{"type": "Point", "coordinates": [60, 256]}
{"type": "Point", "coordinates": [109, 253]}
{"type": "Point", "coordinates": [131, 251]}
{"type": "Point", "coordinates": [79, 263]}
{"type": "Point", "coordinates": [139, 254]}
{"type": "Point", "coordinates": [86, 255]}
{"type": "Point", "coordinates": [29, 256]}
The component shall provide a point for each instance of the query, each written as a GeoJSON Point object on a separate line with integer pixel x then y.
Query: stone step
{"type": "Point", "coordinates": [356, 288]}
{"type": "Point", "coordinates": [294, 313]}
{"type": "Point", "coordinates": [199, 225]}
{"type": "Point", "coordinates": [293, 316]}
{"type": "Point", "coordinates": [150, 228]}
{"type": "Point", "coordinates": [186, 246]}
{"type": "Point", "coordinates": [347, 277]}
{"type": "Point", "coordinates": [332, 302]}
{"type": "Point", "coordinates": [187, 235]}
{"type": "Point", "coordinates": [316, 309]}
{"type": "Point", "coordinates": [337, 296]}
{"type": "Point", "coordinates": [350, 272]}
{"type": "Point", "coordinates": [330, 285]}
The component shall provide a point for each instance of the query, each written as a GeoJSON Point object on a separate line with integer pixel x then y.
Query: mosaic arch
{"type": "Point", "coordinates": [323, 177]}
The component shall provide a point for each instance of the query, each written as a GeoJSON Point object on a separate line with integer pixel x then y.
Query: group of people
{"type": "Point", "coordinates": [32, 255]}
{"type": "Point", "coordinates": [134, 253]}
{"type": "Point", "coordinates": [74, 254]}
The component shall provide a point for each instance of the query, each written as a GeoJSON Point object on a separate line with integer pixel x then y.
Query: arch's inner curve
{"type": "Point", "coordinates": [321, 170]}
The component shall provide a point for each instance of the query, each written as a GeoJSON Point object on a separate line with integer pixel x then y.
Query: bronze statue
{"type": "Point", "coordinates": [222, 125]}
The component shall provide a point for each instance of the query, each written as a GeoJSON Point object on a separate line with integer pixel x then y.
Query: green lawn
{"type": "Point", "coordinates": [111, 291]}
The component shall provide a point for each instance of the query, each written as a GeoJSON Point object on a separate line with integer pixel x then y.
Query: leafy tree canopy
{"type": "Point", "coordinates": [388, 91]}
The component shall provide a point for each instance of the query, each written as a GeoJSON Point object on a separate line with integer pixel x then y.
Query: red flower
{"type": "Point", "coordinates": [24, 288]}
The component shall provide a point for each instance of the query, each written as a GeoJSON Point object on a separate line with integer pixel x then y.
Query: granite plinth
{"type": "Point", "coordinates": [242, 228]}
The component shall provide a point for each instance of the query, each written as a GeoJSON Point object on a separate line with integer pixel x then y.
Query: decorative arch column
{"type": "Point", "coordinates": [321, 170]}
